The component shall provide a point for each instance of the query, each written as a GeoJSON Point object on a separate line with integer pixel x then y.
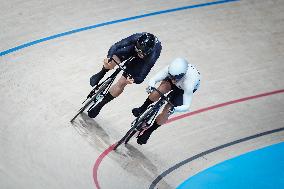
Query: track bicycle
{"type": "Point", "coordinates": [101, 89]}
{"type": "Point", "coordinates": [146, 119]}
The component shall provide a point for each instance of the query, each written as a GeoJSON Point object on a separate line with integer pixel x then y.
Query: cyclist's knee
{"type": "Point", "coordinates": [154, 96]}
{"type": "Point", "coordinates": [164, 87]}
{"type": "Point", "coordinates": [110, 64]}
{"type": "Point", "coordinates": [117, 88]}
{"type": "Point", "coordinates": [122, 82]}
{"type": "Point", "coordinates": [161, 120]}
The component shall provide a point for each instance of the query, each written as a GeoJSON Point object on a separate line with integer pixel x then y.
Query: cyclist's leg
{"type": "Point", "coordinates": [114, 91]}
{"type": "Point", "coordinates": [110, 65]}
{"type": "Point", "coordinates": [95, 79]}
{"type": "Point", "coordinates": [164, 87]}
{"type": "Point", "coordinates": [119, 86]}
{"type": "Point", "coordinates": [160, 120]}
{"type": "Point", "coordinates": [176, 97]}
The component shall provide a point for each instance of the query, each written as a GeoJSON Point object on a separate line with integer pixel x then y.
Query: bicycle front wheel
{"type": "Point", "coordinates": [83, 108]}
{"type": "Point", "coordinates": [93, 98]}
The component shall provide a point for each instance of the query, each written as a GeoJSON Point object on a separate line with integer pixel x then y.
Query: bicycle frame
{"type": "Point", "coordinates": [101, 89]}
{"type": "Point", "coordinates": [150, 113]}
{"type": "Point", "coordinates": [108, 82]}
{"type": "Point", "coordinates": [148, 116]}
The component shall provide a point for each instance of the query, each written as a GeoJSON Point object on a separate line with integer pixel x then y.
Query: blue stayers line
{"type": "Point", "coordinates": [110, 23]}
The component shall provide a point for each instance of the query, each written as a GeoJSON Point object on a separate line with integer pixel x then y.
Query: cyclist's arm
{"type": "Point", "coordinates": [123, 45]}
{"type": "Point", "coordinates": [161, 75]}
{"type": "Point", "coordinates": [149, 64]}
{"type": "Point", "coordinates": [187, 98]}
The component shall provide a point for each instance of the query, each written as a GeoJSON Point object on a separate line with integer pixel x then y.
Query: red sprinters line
{"type": "Point", "coordinates": [107, 151]}
{"type": "Point", "coordinates": [98, 162]}
{"type": "Point", "coordinates": [224, 104]}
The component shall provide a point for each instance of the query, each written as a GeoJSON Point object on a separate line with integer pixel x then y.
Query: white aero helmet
{"type": "Point", "coordinates": [178, 68]}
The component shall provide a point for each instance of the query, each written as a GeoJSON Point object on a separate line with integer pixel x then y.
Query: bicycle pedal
{"type": "Point", "coordinates": [99, 97]}
{"type": "Point", "coordinates": [145, 126]}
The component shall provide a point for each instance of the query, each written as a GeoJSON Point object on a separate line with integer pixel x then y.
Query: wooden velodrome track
{"type": "Point", "coordinates": [49, 49]}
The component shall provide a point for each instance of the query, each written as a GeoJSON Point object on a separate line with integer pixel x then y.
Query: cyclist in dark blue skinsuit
{"type": "Point", "coordinates": [143, 48]}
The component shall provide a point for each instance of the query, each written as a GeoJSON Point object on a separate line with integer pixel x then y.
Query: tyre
{"type": "Point", "coordinates": [138, 123]}
{"type": "Point", "coordinates": [93, 99]}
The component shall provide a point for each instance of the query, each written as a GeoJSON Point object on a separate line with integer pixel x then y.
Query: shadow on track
{"type": "Point", "coordinates": [127, 156]}
{"type": "Point", "coordinates": [92, 132]}
{"type": "Point", "coordinates": [136, 163]}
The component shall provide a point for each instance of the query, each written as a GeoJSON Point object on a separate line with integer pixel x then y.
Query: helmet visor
{"type": "Point", "coordinates": [176, 77]}
{"type": "Point", "coordinates": [140, 51]}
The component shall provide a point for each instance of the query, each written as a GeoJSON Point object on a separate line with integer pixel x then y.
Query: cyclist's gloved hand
{"type": "Point", "coordinates": [149, 89]}
{"type": "Point", "coordinates": [130, 80]}
{"type": "Point", "coordinates": [151, 85]}
{"type": "Point", "coordinates": [182, 108]}
{"type": "Point", "coordinates": [171, 111]}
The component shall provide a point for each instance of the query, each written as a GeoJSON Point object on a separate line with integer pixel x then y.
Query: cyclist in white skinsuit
{"type": "Point", "coordinates": [182, 79]}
